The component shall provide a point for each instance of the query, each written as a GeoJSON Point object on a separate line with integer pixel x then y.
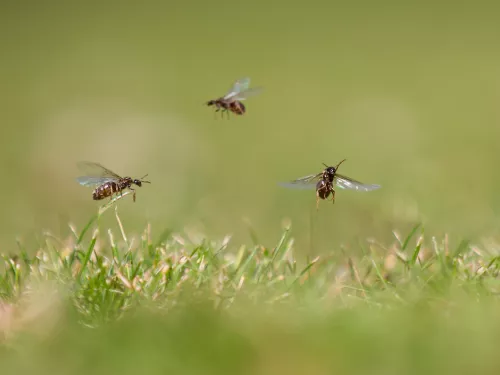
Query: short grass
{"type": "Point", "coordinates": [106, 302]}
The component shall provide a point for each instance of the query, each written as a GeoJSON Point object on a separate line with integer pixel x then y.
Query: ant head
{"type": "Point", "coordinates": [330, 171]}
{"type": "Point", "coordinates": [140, 181]}
{"type": "Point", "coordinates": [333, 170]}
{"type": "Point", "coordinates": [210, 102]}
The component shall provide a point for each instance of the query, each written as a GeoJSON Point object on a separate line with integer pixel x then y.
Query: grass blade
{"type": "Point", "coordinates": [409, 237]}
{"type": "Point", "coordinates": [85, 229]}
{"type": "Point", "coordinates": [88, 254]}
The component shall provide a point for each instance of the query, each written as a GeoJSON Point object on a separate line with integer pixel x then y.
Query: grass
{"type": "Point", "coordinates": [188, 304]}
{"type": "Point", "coordinates": [106, 277]}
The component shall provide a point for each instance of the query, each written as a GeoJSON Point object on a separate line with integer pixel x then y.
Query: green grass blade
{"type": "Point", "coordinates": [409, 237]}
{"type": "Point", "coordinates": [88, 254]}
{"type": "Point", "coordinates": [86, 228]}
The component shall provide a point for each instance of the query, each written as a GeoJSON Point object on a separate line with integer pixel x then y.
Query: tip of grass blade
{"type": "Point", "coordinates": [85, 229]}
{"type": "Point", "coordinates": [408, 238]}
{"type": "Point", "coordinates": [286, 223]}
{"type": "Point", "coordinates": [124, 236]}
{"type": "Point", "coordinates": [251, 231]}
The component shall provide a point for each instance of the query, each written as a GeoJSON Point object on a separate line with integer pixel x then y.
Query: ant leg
{"type": "Point", "coordinates": [133, 196]}
{"type": "Point", "coordinates": [218, 108]}
{"type": "Point", "coordinates": [333, 195]}
{"type": "Point", "coordinates": [317, 200]}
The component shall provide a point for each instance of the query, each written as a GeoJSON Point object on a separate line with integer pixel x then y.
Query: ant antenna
{"type": "Point", "coordinates": [142, 178]}
{"type": "Point", "coordinates": [337, 167]}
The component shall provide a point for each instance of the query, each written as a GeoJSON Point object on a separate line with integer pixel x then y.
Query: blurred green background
{"type": "Point", "coordinates": [200, 341]}
{"type": "Point", "coordinates": [408, 93]}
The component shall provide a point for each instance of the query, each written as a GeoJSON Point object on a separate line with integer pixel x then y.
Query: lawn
{"type": "Point", "coordinates": [104, 301]}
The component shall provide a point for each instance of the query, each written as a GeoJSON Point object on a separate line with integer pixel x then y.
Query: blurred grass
{"type": "Point", "coordinates": [406, 341]}
{"type": "Point", "coordinates": [105, 302]}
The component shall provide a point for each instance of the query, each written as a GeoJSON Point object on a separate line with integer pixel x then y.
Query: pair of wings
{"type": "Point", "coordinates": [343, 182]}
{"type": "Point", "coordinates": [240, 90]}
{"type": "Point", "coordinates": [95, 174]}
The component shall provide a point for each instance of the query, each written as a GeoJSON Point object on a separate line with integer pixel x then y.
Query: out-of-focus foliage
{"type": "Point", "coordinates": [191, 305]}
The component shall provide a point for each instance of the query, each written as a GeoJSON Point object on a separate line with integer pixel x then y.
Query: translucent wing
{"type": "Point", "coordinates": [95, 174]}
{"type": "Point", "coordinates": [247, 93]}
{"type": "Point", "coordinates": [344, 182]}
{"type": "Point", "coordinates": [306, 182]}
{"type": "Point", "coordinates": [93, 181]}
{"type": "Point", "coordinates": [92, 169]}
{"type": "Point", "coordinates": [240, 85]}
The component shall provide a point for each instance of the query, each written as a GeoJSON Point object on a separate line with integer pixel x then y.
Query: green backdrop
{"type": "Point", "coordinates": [408, 93]}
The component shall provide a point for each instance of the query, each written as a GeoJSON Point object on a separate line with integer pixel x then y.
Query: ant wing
{"type": "Point", "coordinates": [247, 93]}
{"type": "Point", "coordinates": [93, 181]}
{"type": "Point", "coordinates": [344, 182]}
{"type": "Point", "coordinates": [96, 170]}
{"type": "Point", "coordinates": [238, 86]}
{"type": "Point", "coordinates": [306, 182]}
